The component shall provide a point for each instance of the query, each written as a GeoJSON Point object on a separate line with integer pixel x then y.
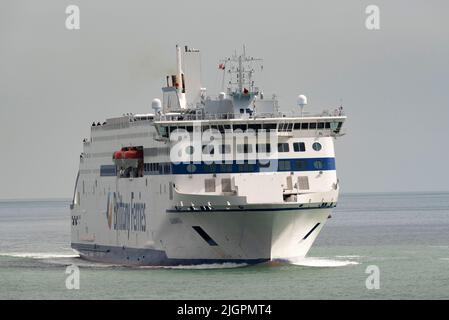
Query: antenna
{"type": "Point", "coordinates": [241, 71]}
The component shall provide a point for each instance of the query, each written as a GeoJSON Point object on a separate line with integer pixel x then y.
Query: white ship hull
{"type": "Point", "coordinates": [249, 237]}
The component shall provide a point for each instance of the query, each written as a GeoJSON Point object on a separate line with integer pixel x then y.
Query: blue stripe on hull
{"type": "Point", "coordinates": [145, 257]}
{"type": "Point", "coordinates": [276, 165]}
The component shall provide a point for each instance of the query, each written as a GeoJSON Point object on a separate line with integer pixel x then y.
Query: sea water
{"type": "Point", "coordinates": [405, 236]}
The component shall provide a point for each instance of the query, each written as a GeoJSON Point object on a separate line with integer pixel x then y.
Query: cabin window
{"type": "Point", "coordinates": [208, 149]}
{"type": "Point", "coordinates": [163, 131]}
{"type": "Point", "coordinates": [284, 165]}
{"type": "Point", "coordinates": [191, 168]}
{"type": "Point", "coordinates": [244, 148]}
{"type": "Point", "coordinates": [225, 148]}
{"type": "Point", "coordinates": [301, 165]}
{"type": "Point", "coordinates": [246, 167]}
{"type": "Point", "coordinates": [304, 126]}
{"type": "Point", "coordinates": [211, 168]}
{"type": "Point", "coordinates": [225, 167]}
{"type": "Point", "coordinates": [316, 146]}
{"type": "Point", "coordinates": [283, 147]}
{"type": "Point", "coordinates": [299, 147]}
{"type": "Point", "coordinates": [263, 148]}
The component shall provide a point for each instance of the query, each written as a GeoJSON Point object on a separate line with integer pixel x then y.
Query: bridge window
{"type": "Point", "coordinates": [304, 126]}
{"type": "Point", "coordinates": [255, 127]}
{"type": "Point", "coordinates": [225, 148]}
{"type": "Point", "coordinates": [312, 125]}
{"type": "Point", "coordinates": [299, 146]}
{"type": "Point", "coordinates": [283, 147]}
{"type": "Point", "coordinates": [208, 149]}
{"type": "Point", "coordinates": [265, 148]}
{"type": "Point", "coordinates": [244, 148]}
{"type": "Point", "coordinates": [269, 126]}
{"type": "Point", "coordinates": [240, 126]}
{"type": "Point", "coordinates": [321, 125]}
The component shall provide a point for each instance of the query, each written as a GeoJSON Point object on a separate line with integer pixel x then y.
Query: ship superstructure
{"type": "Point", "coordinates": [206, 179]}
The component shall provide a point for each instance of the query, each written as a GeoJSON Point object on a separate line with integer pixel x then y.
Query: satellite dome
{"type": "Point", "coordinates": [156, 105]}
{"type": "Point", "coordinates": [302, 100]}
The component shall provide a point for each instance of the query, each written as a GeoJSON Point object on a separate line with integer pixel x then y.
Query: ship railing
{"type": "Point", "coordinates": [195, 116]}
{"type": "Point", "coordinates": [243, 116]}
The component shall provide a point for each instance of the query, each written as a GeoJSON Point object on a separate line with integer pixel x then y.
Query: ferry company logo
{"type": "Point", "coordinates": [129, 216]}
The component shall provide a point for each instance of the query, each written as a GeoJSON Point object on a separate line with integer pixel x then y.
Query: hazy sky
{"type": "Point", "coordinates": [394, 82]}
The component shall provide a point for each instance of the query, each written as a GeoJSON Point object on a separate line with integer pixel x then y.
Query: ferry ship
{"type": "Point", "coordinates": [206, 179]}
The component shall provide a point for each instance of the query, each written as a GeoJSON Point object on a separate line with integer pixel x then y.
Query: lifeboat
{"type": "Point", "coordinates": [128, 153]}
{"type": "Point", "coordinates": [128, 157]}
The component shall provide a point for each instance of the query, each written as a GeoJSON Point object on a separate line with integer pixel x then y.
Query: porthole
{"type": "Point", "coordinates": [318, 164]}
{"type": "Point", "coordinates": [316, 146]}
{"type": "Point", "coordinates": [191, 168]}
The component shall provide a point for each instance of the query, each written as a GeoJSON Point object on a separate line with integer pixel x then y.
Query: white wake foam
{"type": "Point", "coordinates": [226, 265]}
{"type": "Point", "coordinates": [39, 255]}
{"type": "Point", "coordinates": [321, 262]}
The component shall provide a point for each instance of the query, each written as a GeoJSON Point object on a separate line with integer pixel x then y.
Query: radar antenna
{"type": "Point", "coordinates": [240, 69]}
